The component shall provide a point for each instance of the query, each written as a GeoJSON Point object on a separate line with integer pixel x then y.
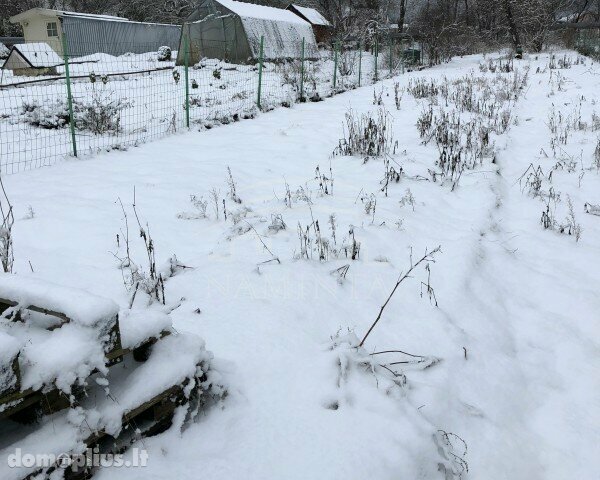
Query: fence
{"type": "Point", "coordinates": [54, 106]}
{"type": "Point", "coordinates": [587, 41]}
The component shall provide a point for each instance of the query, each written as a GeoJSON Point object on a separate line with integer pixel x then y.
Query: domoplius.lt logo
{"type": "Point", "coordinates": [92, 458]}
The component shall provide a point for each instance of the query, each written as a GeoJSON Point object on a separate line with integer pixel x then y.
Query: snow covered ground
{"type": "Point", "coordinates": [133, 98]}
{"type": "Point", "coordinates": [516, 329]}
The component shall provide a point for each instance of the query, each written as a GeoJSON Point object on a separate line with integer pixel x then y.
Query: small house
{"type": "Point", "coordinates": [31, 59]}
{"type": "Point", "coordinates": [320, 25]}
{"type": "Point", "coordinates": [88, 34]}
{"type": "Point", "coordinates": [230, 30]}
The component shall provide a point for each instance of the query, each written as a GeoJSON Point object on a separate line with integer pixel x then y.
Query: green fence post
{"type": "Point", "coordinates": [302, 72]}
{"type": "Point", "coordinates": [186, 54]}
{"type": "Point", "coordinates": [335, 64]}
{"type": "Point", "coordinates": [360, 47]}
{"type": "Point", "coordinates": [391, 57]}
{"type": "Point", "coordinates": [69, 94]}
{"type": "Point", "coordinates": [260, 68]}
{"type": "Point", "coordinates": [376, 57]}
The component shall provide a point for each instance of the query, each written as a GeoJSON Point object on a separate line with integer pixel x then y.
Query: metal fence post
{"type": "Point", "coordinates": [360, 47]}
{"type": "Point", "coordinates": [69, 94]}
{"type": "Point", "coordinates": [376, 56]}
{"type": "Point", "coordinates": [335, 64]}
{"type": "Point", "coordinates": [260, 68]}
{"type": "Point", "coordinates": [302, 72]}
{"type": "Point", "coordinates": [186, 46]}
{"type": "Point", "coordinates": [391, 57]}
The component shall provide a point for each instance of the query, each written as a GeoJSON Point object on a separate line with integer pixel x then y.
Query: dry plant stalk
{"type": "Point", "coordinates": [427, 258]}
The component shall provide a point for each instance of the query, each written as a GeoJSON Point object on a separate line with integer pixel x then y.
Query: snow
{"type": "Point", "coordinates": [89, 15]}
{"type": "Point", "coordinates": [515, 332]}
{"type": "Point", "coordinates": [173, 360]}
{"type": "Point", "coordinates": [282, 30]}
{"type": "Point", "coordinates": [139, 325]}
{"type": "Point", "coordinates": [78, 305]}
{"type": "Point", "coordinates": [39, 54]}
{"type": "Point", "coordinates": [313, 15]}
{"type": "Point", "coordinates": [62, 357]}
{"type": "Point", "coordinates": [150, 101]}
{"type": "Point", "coordinates": [4, 51]}
{"type": "Point", "coordinates": [282, 39]}
{"type": "Point", "coordinates": [250, 10]}
{"type": "Point", "coordinates": [9, 348]}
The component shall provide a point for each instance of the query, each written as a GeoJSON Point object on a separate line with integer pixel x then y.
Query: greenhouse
{"type": "Point", "coordinates": [231, 31]}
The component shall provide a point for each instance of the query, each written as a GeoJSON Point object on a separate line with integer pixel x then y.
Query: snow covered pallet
{"type": "Point", "coordinates": [57, 392]}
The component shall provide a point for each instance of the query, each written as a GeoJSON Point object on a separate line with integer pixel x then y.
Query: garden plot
{"type": "Point", "coordinates": [291, 232]}
{"type": "Point", "coordinates": [127, 100]}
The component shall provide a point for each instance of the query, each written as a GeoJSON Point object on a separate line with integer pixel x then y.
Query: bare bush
{"type": "Point", "coordinates": [368, 135]}
{"type": "Point", "coordinates": [7, 257]}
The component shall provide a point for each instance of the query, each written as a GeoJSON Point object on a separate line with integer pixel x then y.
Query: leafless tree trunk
{"type": "Point", "coordinates": [510, 18]}
{"type": "Point", "coordinates": [403, 16]}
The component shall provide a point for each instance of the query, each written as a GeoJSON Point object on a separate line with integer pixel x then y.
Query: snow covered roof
{"type": "Point", "coordinates": [312, 15]}
{"type": "Point", "coordinates": [48, 12]}
{"type": "Point", "coordinates": [250, 10]}
{"type": "Point", "coordinates": [60, 13]}
{"type": "Point", "coordinates": [36, 55]}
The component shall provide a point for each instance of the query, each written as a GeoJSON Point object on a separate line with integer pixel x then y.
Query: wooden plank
{"type": "Point", "coordinates": [12, 373]}
{"type": "Point", "coordinates": [5, 304]}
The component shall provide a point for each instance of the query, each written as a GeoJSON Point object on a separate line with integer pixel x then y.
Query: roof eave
{"type": "Point", "coordinates": [23, 16]}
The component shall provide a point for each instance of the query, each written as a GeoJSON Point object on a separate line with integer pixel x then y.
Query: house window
{"type": "Point", "coordinates": [52, 29]}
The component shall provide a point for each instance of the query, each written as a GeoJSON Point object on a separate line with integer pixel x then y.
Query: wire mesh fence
{"type": "Point", "coordinates": [54, 105]}
{"type": "Point", "coordinates": [587, 42]}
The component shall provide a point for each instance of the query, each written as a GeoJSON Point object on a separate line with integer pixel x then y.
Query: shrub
{"type": "Point", "coordinates": [164, 54]}
{"type": "Point", "coordinates": [50, 114]}
{"type": "Point", "coordinates": [368, 135]}
{"type": "Point", "coordinates": [99, 113]}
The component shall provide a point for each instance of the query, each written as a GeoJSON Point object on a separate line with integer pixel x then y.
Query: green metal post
{"type": "Point", "coordinates": [260, 69]}
{"type": "Point", "coordinates": [186, 46]}
{"type": "Point", "coordinates": [69, 94]}
{"type": "Point", "coordinates": [302, 73]}
{"type": "Point", "coordinates": [376, 57]}
{"type": "Point", "coordinates": [360, 47]}
{"type": "Point", "coordinates": [335, 64]}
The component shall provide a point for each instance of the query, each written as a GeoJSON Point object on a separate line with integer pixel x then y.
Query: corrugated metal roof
{"type": "Point", "coordinates": [67, 14]}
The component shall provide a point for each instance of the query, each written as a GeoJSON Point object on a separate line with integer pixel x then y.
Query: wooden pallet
{"type": "Point", "coordinates": [156, 414]}
{"type": "Point", "coordinates": [27, 405]}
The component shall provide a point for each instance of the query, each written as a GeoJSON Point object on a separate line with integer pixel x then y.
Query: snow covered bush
{"type": "Point", "coordinates": [347, 62]}
{"type": "Point", "coordinates": [356, 371]}
{"type": "Point", "coordinates": [368, 135]}
{"type": "Point", "coordinates": [200, 205]}
{"type": "Point", "coordinates": [147, 278]}
{"type": "Point", "coordinates": [100, 112]}
{"type": "Point", "coordinates": [50, 114]}
{"type": "Point", "coordinates": [314, 243]}
{"type": "Point", "coordinates": [164, 53]}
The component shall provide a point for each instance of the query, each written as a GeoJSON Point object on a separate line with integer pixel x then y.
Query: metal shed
{"type": "Point", "coordinates": [32, 59]}
{"type": "Point", "coordinates": [230, 30]}
{"type": "Point", "coordinates": [320, 25]}
{"type": "Point", "coordinates": [88, 34]}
